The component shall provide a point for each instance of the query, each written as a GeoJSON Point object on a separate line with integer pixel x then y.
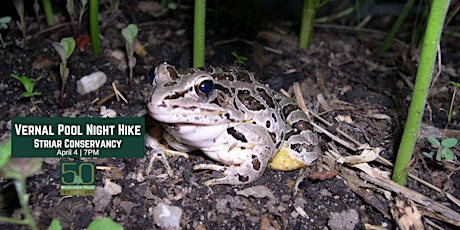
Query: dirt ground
{"type": "Point", "coordinates": [340, 76]}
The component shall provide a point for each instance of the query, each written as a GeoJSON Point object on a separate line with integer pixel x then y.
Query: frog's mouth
{"type": "Point", "coordinates": [191, 118]}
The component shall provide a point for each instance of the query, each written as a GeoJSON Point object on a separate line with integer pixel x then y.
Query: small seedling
{"type": "Point", "coordinates": [65, 48]}
{"type": "Point", "coordinates": [239, 60]}
{"type": "Point", "coordinates": [449, 113]}
{"type": "Point", "coordinates": [28, 85]}
{"type": "Point", "coordinates": [444, 151]}
{"type": "Point", "coordinates": [130, 33]}
{"type": "Point", "coordinates": [19, 5]}
{"type": "Point", "coordinates": [4, 25]}
{"type": "Point", "coordinates": [18, 169]}
{"type": "Point", "coordinates": [73, 11]}
{"type": "Point", "coordinates": [37, 11]}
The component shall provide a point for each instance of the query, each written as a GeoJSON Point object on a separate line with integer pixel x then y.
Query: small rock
{"type": "Point", "coordinates": [91, 82]}
{"type": "Point", "coordinates": [167, 217]}
{"type": "Point", "coordinates": [257, 192]}
{"type": "Point", "coordinates": [343, 220]}
{"type": "Point", "coordinates": [101, 199]}
{"type": "Point", "coordinates": [112, 188]}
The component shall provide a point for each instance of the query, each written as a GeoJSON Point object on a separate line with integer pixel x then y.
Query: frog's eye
{"type": "Point", "coordinates": [205, 86]}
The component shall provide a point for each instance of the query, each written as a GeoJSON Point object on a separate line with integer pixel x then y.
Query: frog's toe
{"type": "Point", "coordinates": [158, 155]}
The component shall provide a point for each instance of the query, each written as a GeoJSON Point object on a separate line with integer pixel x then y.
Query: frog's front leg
{"type": "Point", "coordinates": [246, 159]}
{"type": "Point", "coordinates": [158, 151]}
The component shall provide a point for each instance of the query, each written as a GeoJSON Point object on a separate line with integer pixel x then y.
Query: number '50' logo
{"type": "Point", "coordinates": [77, 173]}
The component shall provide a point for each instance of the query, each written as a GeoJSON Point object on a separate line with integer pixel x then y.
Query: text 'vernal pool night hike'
{"type": "Point", "coordinates": [78, 137]}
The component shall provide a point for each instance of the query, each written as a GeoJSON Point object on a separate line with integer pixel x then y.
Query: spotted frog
{"type": "Point", "coordinates": [233, 119]}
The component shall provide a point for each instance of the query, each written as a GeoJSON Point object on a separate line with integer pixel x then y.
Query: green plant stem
{"type": "Point", "coordinates": [198, 34]}
{"type": "Point", "coordinates": [396, 26]}
{"type": "Point", "coordinates": [449, 115]}
{"type": "Point", "coordinates": [94, 27]}
{"type": "Point", "coordinates": [20, 186]}
{"type": "Point", "coordinates": [48, 12]}
{"type": "Point", "coordinates": [306, 26]}
{"type": "Point", "coordinates": [421, 88]}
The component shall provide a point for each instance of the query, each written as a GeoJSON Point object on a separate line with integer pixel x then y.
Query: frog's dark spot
{"type": "Point", "coordinates": [274, 118]}
{"type": "Point", "coordinates": [267, 124]}
{"type": "Point", "coordinates": [244, 77]}
{"type": "Point", "coordinates": [237, 135]}
{"type": "Point", "coordinates": [302, 125]}
{"type": "Point", "coordinates": [255, 163]}
{"type": "Point", "coordinates": [171, 83]}
{"type": "Point", "coordinates": [267, 98]}
{"type": "Point", "coordinates": [223, 89]}
{"type": "Point", "coordinates": [287, 109]}
{"type": "Point", "coordinates": [278, 145]}
{"type": "Point", "coordinates": [302, 147]}
{"type": "Point", "coordinates": [243, 178]}
{"type": "Point", "coordinates": [249, 101]}
{"type": "Point", "coordinates": [172, 72]}
{"type": "Point", "coordinates": [176, 95]}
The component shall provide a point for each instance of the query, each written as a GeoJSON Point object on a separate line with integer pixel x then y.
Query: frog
{"type": "Point", "coordinates": [227, 114]}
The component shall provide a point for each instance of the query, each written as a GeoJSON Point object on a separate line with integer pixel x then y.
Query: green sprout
{"type": "Point", "coordinates": [444, 151]}
{"type": "Point", "coordinates": [65, 48]}
{"type": "Point", "coordinates": [18, 169]}
{"type": "Point", "coordinates": [4, 25]}
{"type": "Point", "coordinates": [449, 113]}
{"type": "Point", "coordinates": [130, 33]}
{"type": "Point", "coordinates": [73, 11]}
{"type": "Point", "coordinates": [28, 85]}
{"type": "Point", "coordinates": [239, 60]}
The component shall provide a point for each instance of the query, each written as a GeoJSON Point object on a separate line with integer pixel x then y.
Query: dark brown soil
{"type": "Point", "coordinates": [341, 64]}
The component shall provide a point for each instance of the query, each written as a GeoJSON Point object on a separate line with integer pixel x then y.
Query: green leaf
{"type": "Point", "coordinates": [6, 19]}
{"type": "Point", "coordinates": [449, 142]}
{"type": "Point", "coordinates": [434, 142]}
{"type": "Point", "coordinates": [26, 94]}
{"type": "Point", "coordinates": [21, 168]}
{"type": "Point", "coordinates": [55, 225]}
{"type": "Point", "coordinates": [129, 33]}
{"type": "Point", "coordinates": [38, 79]}
{"type": "Point", "coordinates": [429, 155]}
{"type": "Point", "coordinates": [439, 155]}
{"type": "Point", "coordinates": [69, 46]}
{"type": "Point", "coordinates": [60, 50]}
{"type": "Point", "coordinates": [5, 152]}
{"type": "Point", "coordinates": [448, 154]}
{"type": "Point", "coordinates": [456, 84]}
{"type": "Point", "coordinates": [104, 223]}
{"type": "Point", "coordinates": [27, 83]}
